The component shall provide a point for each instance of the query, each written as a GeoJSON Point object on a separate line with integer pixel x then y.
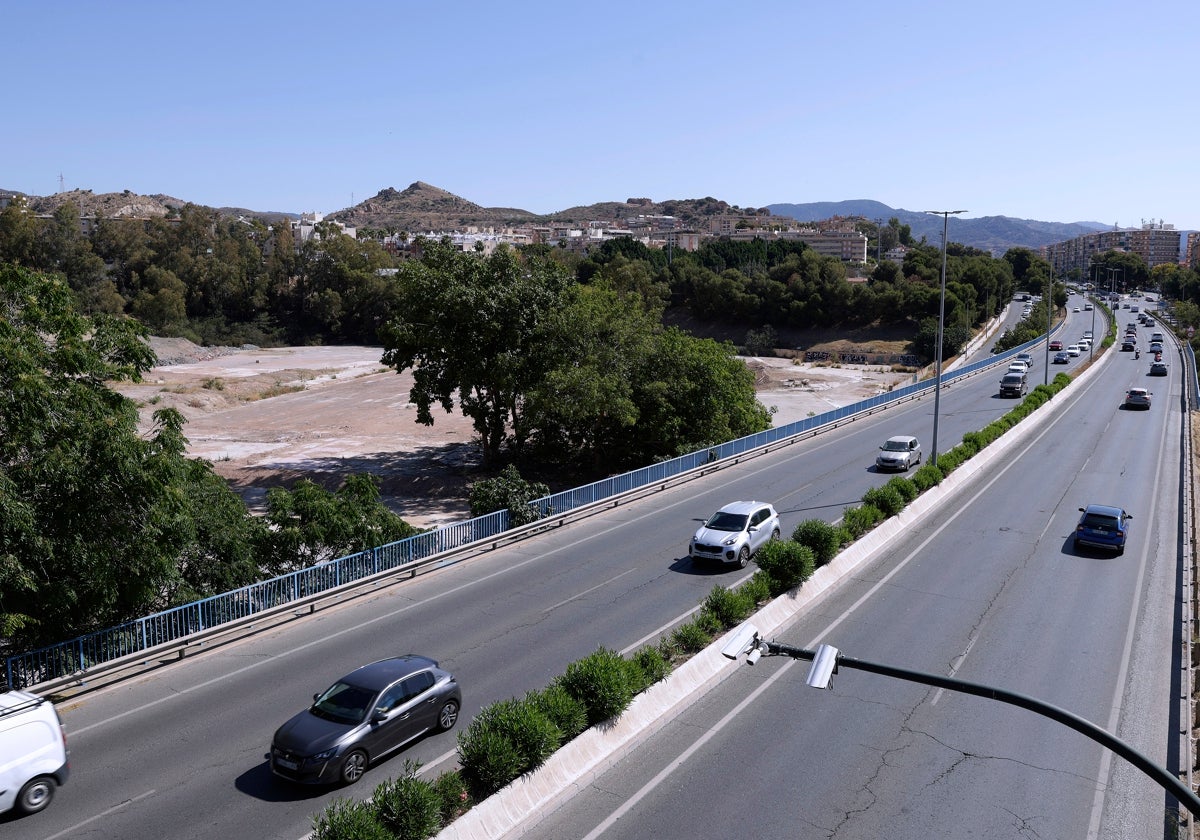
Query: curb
{"type": "Point", "coordinates": [524, 802]}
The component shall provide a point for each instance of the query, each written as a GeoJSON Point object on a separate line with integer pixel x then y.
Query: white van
{"type": "Point", "coordinates": [33, 752]}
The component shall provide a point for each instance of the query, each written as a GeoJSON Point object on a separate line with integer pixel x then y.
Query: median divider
{"type": "Point", "coordinates": [525, 802]}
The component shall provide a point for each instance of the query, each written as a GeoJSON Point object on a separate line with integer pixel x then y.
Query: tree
{"type": "Point", "coordinates": [308, 524]}
{"type": "Point", "coordinates": [93, 515]}
{"type": "Point", "coordinates": [468, 327]}
{"type": "Point", "coordinates": [691, 393]}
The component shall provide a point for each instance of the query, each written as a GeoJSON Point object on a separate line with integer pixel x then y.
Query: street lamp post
{"type": "Point", "coordinates": [1049, 325]}
{"type": "Point", "coordinates": [937, 389]}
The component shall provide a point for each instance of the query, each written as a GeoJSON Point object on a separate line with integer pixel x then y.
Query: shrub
{"type": "Point", "coordinates": [489, 761]}
{"type": "Point", "coordinates": [821, 538]}
{"type": "Point", "coordinates": [729, 606]}
{"type": "Point", "coordinates": [927, 476]}
{"type": "Point", "coordinates": [532, 733]}
{"type": "Point", "coordinates": [507, 491]}
{"type": "Point", "coordinates": [568, 713]}
{"type": "Point", "coordinates": [905, 487]}
{"type": "Point", "coordinates": [347, 820]}
{"type": "Point", "coordinates": [601, 682]}
{"type": "Point", "coordinates": [690, 637]}
{"type": "Point", "coordinates": [758, 588]}
{"type": "Point", "coordinates": [708, 622]}
{"type": "Point", "coordinates": [886, 499]}
{"type": "Point", "coordinates": [407, 806]}
{"type": "Point", "coordinates": [453, 800]}
{"type": "Point", "coordinates": [649, 666]}
{"type": "Point", "coordinates": [861, 519]}
{"type": "Point", "coordinates": [787, 564]}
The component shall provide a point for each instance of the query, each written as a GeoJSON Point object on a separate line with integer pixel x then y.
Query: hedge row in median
{"type": "Point", "coordinates": [512, 737]}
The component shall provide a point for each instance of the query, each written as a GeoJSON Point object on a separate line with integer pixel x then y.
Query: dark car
{"type": "Point", "coordinates": [362, 717]}
{"type": "Point", "coordinates": [1061, 358]}
{"type": "Point", "coordinates": [1158, 368]}
{"type": "Point", "coordinates": [1128, 344]}
{"type": "Point", "coordinates": [1103, 526]}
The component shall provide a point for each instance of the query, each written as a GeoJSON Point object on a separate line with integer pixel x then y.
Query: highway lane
{"type": "Point", "coordinates": [180, 751]}
{"type": "Point", "coordinates": [993, 593]}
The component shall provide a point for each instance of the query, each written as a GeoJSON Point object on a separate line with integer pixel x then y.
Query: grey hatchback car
{"type": "Point", "coordinates": [365, 715]}
{"type": "Point", "coordinates": [735, 532]}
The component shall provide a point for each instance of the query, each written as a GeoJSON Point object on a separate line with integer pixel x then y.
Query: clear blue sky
{"type": "Point", "coordinates": [1058, 111]}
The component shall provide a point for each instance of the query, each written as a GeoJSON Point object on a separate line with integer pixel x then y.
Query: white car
{"type": "Point", "coordinates": [735, 532]}
{"type": "Point", "coordinates": [1073, 350]}
{"type": "Point", "coordinates": [1018, 367]}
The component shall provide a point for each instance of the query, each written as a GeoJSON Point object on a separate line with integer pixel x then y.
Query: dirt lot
{"type": "Point", "coordinates": [270, 416]}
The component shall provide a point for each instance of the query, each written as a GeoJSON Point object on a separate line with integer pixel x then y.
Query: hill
{"type": "Point", "coordinates": [422, 207]}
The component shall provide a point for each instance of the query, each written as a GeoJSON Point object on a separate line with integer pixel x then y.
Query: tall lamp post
{"type": "Point", "coordinates": [937, 388]}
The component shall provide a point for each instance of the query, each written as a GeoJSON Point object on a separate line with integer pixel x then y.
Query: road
{"type": "Point", "coordinates": [180, 751]}
{"type": "Point", "coordinates": [994, 593]}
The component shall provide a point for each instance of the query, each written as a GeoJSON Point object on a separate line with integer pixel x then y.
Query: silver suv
{"type": "Point", "coordinates": [735, 532]}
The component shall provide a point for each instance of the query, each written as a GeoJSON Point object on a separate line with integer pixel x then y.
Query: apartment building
{"type": "Point", "coordinates": [1155, 242]}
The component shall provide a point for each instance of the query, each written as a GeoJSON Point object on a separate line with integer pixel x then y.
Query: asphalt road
{"type": "Point", "coordinates": [180, 751]}
{"type": "Point", "coordinates": [992, 592]}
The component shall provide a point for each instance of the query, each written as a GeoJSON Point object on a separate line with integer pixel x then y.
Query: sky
{"type": "Point", "coordinates": [1058, 110]}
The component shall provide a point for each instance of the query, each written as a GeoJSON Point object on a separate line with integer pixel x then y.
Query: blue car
{"type": "Point", "coordinates": [1103, 526]}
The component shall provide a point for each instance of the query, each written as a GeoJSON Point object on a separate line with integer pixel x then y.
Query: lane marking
{"type": "Point", "coordinates": [579, 595]}
{"type": "Point", "coordinates": [102, 814]}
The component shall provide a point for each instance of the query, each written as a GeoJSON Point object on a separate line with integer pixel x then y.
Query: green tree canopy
{"type": "Point", "coordinates": [469, 328]}
{"type": "Point", "coordinates": [93, 516]}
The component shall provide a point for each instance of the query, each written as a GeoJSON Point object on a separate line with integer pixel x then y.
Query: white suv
{"type": "Point", "coordinates": [735, 532]}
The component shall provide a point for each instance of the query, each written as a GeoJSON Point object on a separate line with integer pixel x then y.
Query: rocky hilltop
{"type": "Point", "coordinates": [423, 207]}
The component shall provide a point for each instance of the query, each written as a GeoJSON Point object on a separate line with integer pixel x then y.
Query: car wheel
{"type": "Point", "coordinates": [354, 766]}
{"type": "Point", "coordinates": [35, 795]}
{"type": "Point", "coordinates": [743, 557]}
{"type": "Point", "coordinates": [448, 716]}
{"type": "Point", "coordinates": [775, 535]}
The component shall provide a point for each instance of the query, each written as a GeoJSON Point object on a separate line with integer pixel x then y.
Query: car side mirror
{"type": "Point", "coordinates": [379, 715]}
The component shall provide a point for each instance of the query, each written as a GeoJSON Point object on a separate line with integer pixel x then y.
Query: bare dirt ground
{"type": "Point", "coordinates": [266, 417]}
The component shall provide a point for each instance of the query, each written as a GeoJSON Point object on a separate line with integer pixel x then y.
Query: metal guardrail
{"type": "Point", "coordinates": [178, 624]}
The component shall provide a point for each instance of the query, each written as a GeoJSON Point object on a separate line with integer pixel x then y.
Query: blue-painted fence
{"type": "Point", "coordinates": [177, 623]}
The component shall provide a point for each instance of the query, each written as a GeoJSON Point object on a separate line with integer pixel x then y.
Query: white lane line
{"type": "Point", "coordinates": [670, 768]}
{"type": "Point", "coordinates": [104, 813]}
{"type": "Point", "coordinates": [579, 595]}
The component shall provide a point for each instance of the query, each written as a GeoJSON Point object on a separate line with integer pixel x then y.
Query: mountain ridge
{"type": "Point", "coordinates": [423, 208]}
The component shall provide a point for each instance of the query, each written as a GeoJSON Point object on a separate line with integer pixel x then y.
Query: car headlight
{"type": "Point", "coordinates": [322, 756]}
{"type": "Point", "coordinates": [730, 540]}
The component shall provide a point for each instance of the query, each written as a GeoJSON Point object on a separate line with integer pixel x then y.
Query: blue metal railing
{"type": "Point", "coordinates": [177, 623]}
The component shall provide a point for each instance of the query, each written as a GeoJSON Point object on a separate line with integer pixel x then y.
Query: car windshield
{"type": "Point", "coordinates": [722, 521]}
{"type": "Point", "coordinates": [1100, 522]}
{"type": "Point", "coordinates": [344, 703]}
{"type": "Point", "coordinates": [896, 446]}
